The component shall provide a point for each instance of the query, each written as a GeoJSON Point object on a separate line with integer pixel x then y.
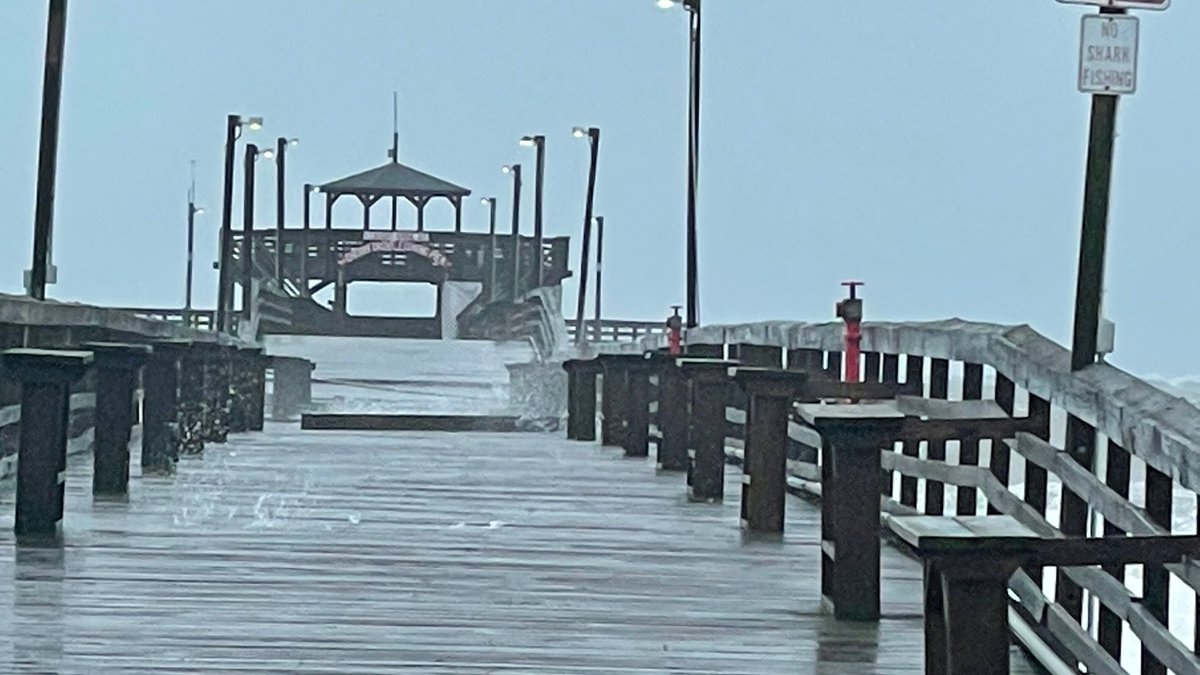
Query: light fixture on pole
{"type": "Point", "coordinates": [538, 142]}
{"type": "Point", "coordinates": [233, 131]}
{"type": "Point", "coordinates": [515, 172]}
{"type": "Point", "coordinates": [693, 168]}
{"type": "Point", "coordinates": [593, 136]}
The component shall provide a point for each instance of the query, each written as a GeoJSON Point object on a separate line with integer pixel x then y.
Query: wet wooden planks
{"type": "Point", "coordinates": [315, 552]}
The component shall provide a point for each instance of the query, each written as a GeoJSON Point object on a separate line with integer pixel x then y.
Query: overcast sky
{"type": "Point", "coordinates": [935, 151]}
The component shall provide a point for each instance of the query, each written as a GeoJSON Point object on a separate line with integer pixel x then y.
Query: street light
{"type": "Point", "coordinates": [233, 131]}
{"type": "Point", "coordinates": [693, 168]}
{"type": "Point", "coordinates": [490, 202]}
{"type": "Point", "coordinates": [252, 155]}
{"type": "Point", "coordinates": [538, 142]}
{"type": "Point", "coordinates": [515, 171]}
{"type": "Point", "coordinates": [192, 212]}
{"type": "Point", "coordinates": [279, 154]}
{"type": "Point", "coordinates": [593, 136]}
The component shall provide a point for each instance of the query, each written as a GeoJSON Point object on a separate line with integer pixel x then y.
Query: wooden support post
{"type": "Point", "coordinates": [1117, 479]}
{"type": "Point", "coordinates": [160, 409]}
{"type": "Point", "coordinates": [1001, 457]}
{"type": "Point", "coordinates": [572, 399]}
{"type": "Point", "coordinates": [967, 608]}
{"type": "Point", "coordinates": [191, 402]}
{"type": "Point", "coordinates": [968, 448]}
{"type": "Point", "coordinates": [709, 382]}
{"type": "Point", "coordinates": [764, 472]}
{"type": "Point", "coordinates": [258, 389]}
{"type": "Point", "coordinates": [939, 388]}
{"type": "Point", "coordinates": [890, 374]}
{"type": "Point", "coordinates": [586, 401]}
{"type": "Point", "coordinates": [914, 372]}
{"type": "Point", "coordinates": [117, 367]}
{"type": "Point", "coordinates": [806, 360]}
{"type": "Point", "coordinates": [1073, 518]}
{"type": "Point", "coordinates": [46, 377]}
{"type": "Point", "coordinates": [850, 544]}
{"type": "Point", "coordinates": [672, 418]}
{"type": "Point", "coordinates": [612, 403]}
{"type": "Point", "coordinates": [636, 440]}
{"type": "Point", "coordinates": [1155, 580]}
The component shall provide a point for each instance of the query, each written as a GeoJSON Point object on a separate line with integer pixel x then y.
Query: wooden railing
{"type": "Point", "coordinates": [1102, 433]}
{"type": "Point", "coordinates": [613, 330]}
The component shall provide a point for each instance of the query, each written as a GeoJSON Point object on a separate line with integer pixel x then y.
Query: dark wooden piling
{"type": "Point", "coordinates": [117, 368]}
{"type": "Point", "coordinates": [636, 440]}
{"type": "Point", "coordinates": [672, 415]}
{"type": "Point", "coordinates": [764, 467]}
{"type": "Point", "coordinates": [191, 401]}
{"type": "Point", "coordinates": [46, 377]}
{"type": "Point", "coordinates": [709, 383]}
{"type": "Point", "coordinates": [216, 392]}
{"type": "Point", "coordinates": [160, 409]}
{"type": "Point", "coordinates": [852, 438]}
{"type": "Point", "coordinates": [573, 421]}
{"type": "Point", "coordinates": [257, 381]}
{"type": "Point", "coordinates": [615, 386]}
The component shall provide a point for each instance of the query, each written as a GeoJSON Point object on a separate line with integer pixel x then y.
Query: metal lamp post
{"type": "Point", "coordinates": [192, 212]}
{"type": "Point", "coordinates": [693, 300]}
{"type": "Point", "coordinates": [490, 202]}
{"type": "Point", "coordinates": [233, 131]}
{"type": "Point", "coordinates": [593, 136]}
{"type": "Point", "coordinates": [43, 219]}
{"type": "Point", "coordinates": [281, 146]}
{"type": "Point", "coordinates": [599, 270]}
{"type": "Point", "coordinates": [515, 171]}
{"type": "Point", "coordinates": [538, 142]}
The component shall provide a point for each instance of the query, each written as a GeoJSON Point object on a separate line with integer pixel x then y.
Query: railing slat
{"type": "Point", "coordinates": [939, 388]}
{"type": "Point", "coordinates": [968, 450]}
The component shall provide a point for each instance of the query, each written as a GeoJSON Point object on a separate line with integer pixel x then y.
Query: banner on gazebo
{"type": "Point", "coordinates": [405, 242]}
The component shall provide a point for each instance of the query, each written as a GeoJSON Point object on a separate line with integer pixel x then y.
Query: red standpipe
{"type": "Point", "coordinates": [675, 332]}
{"type": "Point", "coordinates": [850, 311]}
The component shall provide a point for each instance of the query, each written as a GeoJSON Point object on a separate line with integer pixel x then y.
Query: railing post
{"type": "Point", "coordinates": [117, 367]}
{"type": "Point", "coordinates": [239, 391]}
{"type": "Point", "coordinates": [764, 471]}
{"type": "Point", "coordinates": [672, 416]}
{"type": "Point", "coordinates": [258, 389]}
{"type": "Point", "coordinates": [709, 383]}
{"type": "Point", "coordinates": [160, 412]}
{"type": "Point", "coordinates": [46, 377]}
{"type": "Point", "coordinates": [612, 403]}
{"type": "Point", "coordinates": [585, 400]}
{"type": "Point", "coordinates": [850, 513]}
{"type": "Point", "coordinates": [637, 409]}
{"type": "Point", "coordinates": [571, 367]}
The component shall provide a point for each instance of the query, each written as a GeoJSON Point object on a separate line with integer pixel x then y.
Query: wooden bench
{"type": "Point", "coordinates": [968, 561]}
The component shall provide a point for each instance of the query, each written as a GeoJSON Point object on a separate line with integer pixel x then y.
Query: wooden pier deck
{"type": "Point", "coordinates": [336, 552]}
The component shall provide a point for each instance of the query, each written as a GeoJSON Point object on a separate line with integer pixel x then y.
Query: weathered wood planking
{"type": "Point", "coordinates": [436, 553]}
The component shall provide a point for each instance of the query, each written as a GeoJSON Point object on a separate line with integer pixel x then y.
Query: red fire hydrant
{"type": "Point", "coordinates": [850, 311]}
{"type": "Point", "coordinates": [675, 332]}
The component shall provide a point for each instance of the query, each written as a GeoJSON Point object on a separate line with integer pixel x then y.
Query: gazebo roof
{"type": "Point", "coordinates": [394, 180]}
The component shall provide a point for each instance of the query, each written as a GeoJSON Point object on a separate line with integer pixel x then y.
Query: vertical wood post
{"type": "Point", "coordinates": [117, 367]}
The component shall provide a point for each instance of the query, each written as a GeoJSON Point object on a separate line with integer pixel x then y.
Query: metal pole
{"type": "Point", "coordinates": [43, 217]}
{"type": "Point", "coordinates": [1090, 281]}
{"type": "Point", "coordinates": [224, 272]}
{"type": "Point", "coordinates": [540, 141]}
{"type": "Point", "coordinates": [492, 249]}
{"type": "Point", "coordinates": [248, 230]}
{"type": "Point", "coordinates": [516, 233]}
{"type": "Point", "coordinates": [585, 254]}
{"type": "Point", "coordinates": [693, 300]}
{"type": "Point", "coordinates": [599, 268]}
{"type": "Point", "coordinates": [191, 251]}
{"type": "Point", "coordinates": [280, 154]}
{"type": "Point", "coordinates": [308, 188]}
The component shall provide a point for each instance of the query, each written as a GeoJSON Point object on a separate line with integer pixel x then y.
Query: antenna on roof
{"type": "Point", "coordinates": [394, 153]}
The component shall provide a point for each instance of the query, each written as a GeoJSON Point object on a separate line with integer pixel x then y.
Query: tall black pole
{"type": "Point", "coordinates": [540, 142]}
{"type": "Point", "coordinates": [599, 271]}
{"type": "Point", "coordinates": [280, 160]}
{"type": "Point", "coordinates": [491, 249]}
{"type": "Point", "coordinates": [693, 299]}
{"type": "Point", "coordinates": [233, 124]}
{"type": "Point", "coordinates": [248, 231]}
{"type": "Point", "coordinates": [191, 251]}
{"type": "Point", "coordinates": [308, 189]}
{"type": "Point", "coordinates": [585, 253]}
{"type": "Point", "coordinates": [1094, 234]}
{"type": "Point", "coordinates": [43, 216]}
{"type": "Point", "coordinates": [516, 233]}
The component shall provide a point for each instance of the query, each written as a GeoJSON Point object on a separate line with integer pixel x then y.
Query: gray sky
{"type": "Point", "coordinates": [934, 151]}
